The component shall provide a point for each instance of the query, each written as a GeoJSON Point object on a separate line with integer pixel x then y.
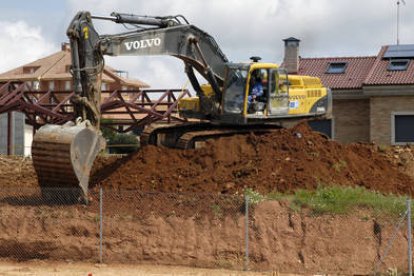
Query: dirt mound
{"type": "Point", "coordinates": [283, 161]}
{"type": "Point", "coordinates": [401, 156]}
{"type": "Point", "coordinates": [17, 171]}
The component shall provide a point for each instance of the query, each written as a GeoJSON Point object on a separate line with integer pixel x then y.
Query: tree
{"type": "Point", "coordinates": [120, 143]}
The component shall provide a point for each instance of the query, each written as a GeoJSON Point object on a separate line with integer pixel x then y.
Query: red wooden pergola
{"type": "Point", "coordinates": [132, 109]}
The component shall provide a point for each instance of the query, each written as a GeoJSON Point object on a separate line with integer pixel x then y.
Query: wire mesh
{"type": "Point", "coordinates": [33, 226]}
{"type": "Point", "coordinates": [189, 229]}
{"type": "Point", "coordinates": [204, 230]}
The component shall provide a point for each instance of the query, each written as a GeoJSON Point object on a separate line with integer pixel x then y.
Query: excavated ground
{"type": "Point", "coordinates": [284, 161]}
{"type": "Point", "coordinates": [206, 229]}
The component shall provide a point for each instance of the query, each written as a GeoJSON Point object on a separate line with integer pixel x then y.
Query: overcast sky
{"type": "Point", "coordinates": [33, 29]}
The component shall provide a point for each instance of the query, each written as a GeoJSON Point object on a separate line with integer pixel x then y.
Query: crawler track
{"type": "Point", "coordinates": [188, 136]}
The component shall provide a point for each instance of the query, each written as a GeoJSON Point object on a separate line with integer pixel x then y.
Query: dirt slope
{"type": "Point", "coordinates": [279, 239]}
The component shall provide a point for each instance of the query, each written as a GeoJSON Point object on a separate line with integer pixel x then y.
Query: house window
{"type": "Point", "coordinates": [104, 86]}
{"type": "Point", "coordinates": [51, 85]}
{"type": "Point", "coordinates": [336, 68]}
{"type": "Point", "coordinates": [121, 73]}
{"type": "Point", "coordinates": [35, 85]}
{"type": "Point", "coordinates": [68, 85]}
{"type": "Point", "coordinates": [30, 69]}
{"type": "Point", "coordinates": [398, 65]}
{"type": "Point", "coordinates": [402, 129]}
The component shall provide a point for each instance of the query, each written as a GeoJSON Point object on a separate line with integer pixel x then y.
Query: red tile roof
{"type": "Point", "coordinates": [380, 75]}
{"type": "Point", "coordinates": [359, 71]}
{"type": "Point", "coordinates": [356, 71]}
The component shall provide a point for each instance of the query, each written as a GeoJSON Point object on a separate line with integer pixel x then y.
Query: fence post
{"type": "Point", "coordinates": [246, 232]}
{"type": "Point", "coordinates": [100, 223]}
{"type": "Point", "coordinates": [410, 249]}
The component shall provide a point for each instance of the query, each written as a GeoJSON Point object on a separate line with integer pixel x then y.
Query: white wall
{"type": "Point", "coordinates": [21, 134]}
{"type": "Point", "coordinates": [28, 138]}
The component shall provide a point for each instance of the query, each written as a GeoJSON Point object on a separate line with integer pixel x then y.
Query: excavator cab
{"type": "Point", "coordinates": [261, 92]}
{"type": "Point", "coordinates": [255, 91]}
{"type": "Point", "coordinates": [264, 92]}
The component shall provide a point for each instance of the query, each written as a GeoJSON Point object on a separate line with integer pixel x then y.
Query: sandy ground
{"type": "Point", "coordinates": [48, 268]}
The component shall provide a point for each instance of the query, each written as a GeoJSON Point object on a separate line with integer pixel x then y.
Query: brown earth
{"type": "Point", "coordinates": [206, 229]}
{"type": "Point", "coordinates": [284, 161]}
{"type": "Point", "coordinates": [16, 171]}
{"type": "Point", "coordinates": [279, 239]}
{"type": "Point", "coordinates": [61, 268]}
{"type": "Point", "coordinates": [402, 157]}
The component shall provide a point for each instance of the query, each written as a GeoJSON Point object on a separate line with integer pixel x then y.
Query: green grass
{"type": "Point", "coordinates": [253, 196]}
{"type": "Point", "coordinates": [342, 200]}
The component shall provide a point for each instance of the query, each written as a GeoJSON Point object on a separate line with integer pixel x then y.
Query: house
{"type": "Point", "coordinates": [373, 96]}
{"type": "Point", "coordinates": [51, 73]}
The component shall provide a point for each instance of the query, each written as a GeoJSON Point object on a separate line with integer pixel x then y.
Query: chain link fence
{"type": "Point", "coordinates": [33, 226]}
{"type": "Point", "coordinates": [204, 230]}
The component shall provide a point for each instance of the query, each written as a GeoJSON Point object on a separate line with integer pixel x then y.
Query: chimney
{"type": "Point", "coordinates": [291, 59]}
{"type": "Point", "coordinates": [65, 46]}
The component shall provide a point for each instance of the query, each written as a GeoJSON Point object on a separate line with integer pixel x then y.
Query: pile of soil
{"type": "Point", "coordinates": [284, 161]}
{"type": "Point", "coordinates": [400, 156]}
{"type": "Point", "coordinates": [17, 171]}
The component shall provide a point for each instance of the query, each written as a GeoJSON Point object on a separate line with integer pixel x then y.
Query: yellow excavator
{"type": "Point", "coordinates": [238, 97]}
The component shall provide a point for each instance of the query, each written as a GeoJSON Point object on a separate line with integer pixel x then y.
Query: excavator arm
{"type": "Point", "coordinates": [170, 35]}
{"type": "Point", "coordinates": [87, 65]}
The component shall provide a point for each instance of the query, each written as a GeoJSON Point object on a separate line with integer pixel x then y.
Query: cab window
{"type": "Point", "coordinates": [234, 90]}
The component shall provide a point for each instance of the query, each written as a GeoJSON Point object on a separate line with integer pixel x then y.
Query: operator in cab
{"type": "Point", "coordinates": [257, 90]}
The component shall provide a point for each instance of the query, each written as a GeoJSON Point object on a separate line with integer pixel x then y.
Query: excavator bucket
{"type": "Point", "coordinates": [63, 156]}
